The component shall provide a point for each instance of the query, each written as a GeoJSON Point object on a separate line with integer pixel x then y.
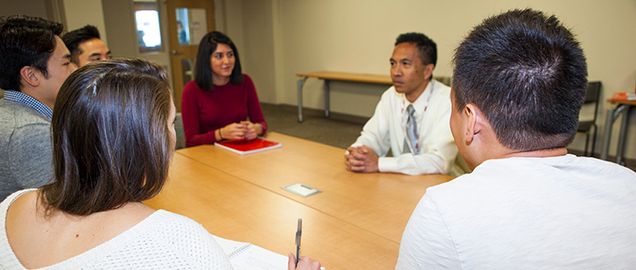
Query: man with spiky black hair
{"type": "Point", "coordinates": [86, 45]}
{"type": "Point", "coordinates": [518, 85]}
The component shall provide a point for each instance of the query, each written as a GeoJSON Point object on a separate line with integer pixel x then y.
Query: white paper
{"type": "Point", "coordinates": [258, 258]}
{"type": "Point", "coordinates": [246, 256]}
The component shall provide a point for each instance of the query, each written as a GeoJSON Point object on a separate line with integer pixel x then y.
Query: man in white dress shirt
{"type": "Point", "coordinates": [411, 118]}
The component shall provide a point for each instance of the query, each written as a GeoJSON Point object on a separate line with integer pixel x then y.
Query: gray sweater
{"type": "Point", "coordinates": [25, 148]}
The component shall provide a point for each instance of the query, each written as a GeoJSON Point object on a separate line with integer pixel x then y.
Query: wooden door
{"type": "Point", "coordinates": [188, 22]}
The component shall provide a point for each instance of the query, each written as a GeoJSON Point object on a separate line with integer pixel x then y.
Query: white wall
{"type": "Point", "coordinates": [259, 47]}
{"type": "Point", "coordinates": [79, 13]}
{"type": "Point", "coordinates": [233, 24]}
{"type": "Point", "coordinates": [37, 8]}
{"type": "Point", "coordinates": [358, 36]}
{"type": "Point", "coordinates": [278, 38]}
{"type": "Point", "coordinates": [255, 40]}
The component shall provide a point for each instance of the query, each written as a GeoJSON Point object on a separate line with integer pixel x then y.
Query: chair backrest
{"type": "Point", "coordinates": [593, 92]}
{"type": "Point", "coordinates": [178, 127]}
{"type": "Point", "coordinates": [593, 95]}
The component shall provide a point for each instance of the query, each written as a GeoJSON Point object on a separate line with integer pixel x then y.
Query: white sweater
{"type": "Point", "coordinates": [163, 240]}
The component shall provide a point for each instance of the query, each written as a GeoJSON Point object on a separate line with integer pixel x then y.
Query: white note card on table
{"type": "Point", "coordinates": [247, 256]}
{"type": "Point", "coordinates": [301, 189]}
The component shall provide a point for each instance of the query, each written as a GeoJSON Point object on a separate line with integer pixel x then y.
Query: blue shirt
{"type": "Point", "coordinates": [28, 101]}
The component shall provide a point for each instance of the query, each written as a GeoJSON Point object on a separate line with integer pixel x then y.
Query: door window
{"type": "Point", "coordinates": [148, 27]}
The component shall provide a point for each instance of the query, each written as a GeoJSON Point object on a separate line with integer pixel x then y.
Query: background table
{"type": "Point", "coordinates": [355, 222]}
{"type": "Point", "coordinates": [623, 107]}
{"type": "Point", "coordinates": [328, 76]}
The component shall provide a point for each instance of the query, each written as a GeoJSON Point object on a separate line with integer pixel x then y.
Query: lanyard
{"type": "Point", "coordinates": [405, 103]}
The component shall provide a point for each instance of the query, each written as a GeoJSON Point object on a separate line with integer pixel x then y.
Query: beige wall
{"type": "Point", "coordinates": [122, 30]}
{"type": "Point", "coordinates": [278, 38]}
{"type": "Point", "coordinates": [82, 12]}
{"type": "Point", "coordinates": [259, 47]}
{"type": "Point", "coordinates": [358, 35]}
{"type": "Point", "coordinates": [37, 8]}
{"type": "Point", "coordinates": [254, 40]}
{"type": "Point", "coordinates": [233, 23]}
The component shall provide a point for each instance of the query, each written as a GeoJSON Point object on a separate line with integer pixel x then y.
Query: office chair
{"type": "Point", "coordinates": [592, 97]}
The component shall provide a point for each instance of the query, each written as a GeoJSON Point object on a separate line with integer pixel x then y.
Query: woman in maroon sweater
{"type": "Point", "coordinates": [221, 103]}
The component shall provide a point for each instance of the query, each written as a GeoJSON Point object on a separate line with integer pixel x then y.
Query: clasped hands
{"type": "Point", "coordinates": [361, 159]}
{"type": "Point", "coordinates": [244, 130]}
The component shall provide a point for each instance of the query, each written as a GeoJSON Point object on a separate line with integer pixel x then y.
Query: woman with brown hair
{"type": "Point", "coordinates": [113, 138]}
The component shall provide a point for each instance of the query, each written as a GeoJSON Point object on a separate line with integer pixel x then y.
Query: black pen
{"type": "Point", "coordinates": [299, 232]}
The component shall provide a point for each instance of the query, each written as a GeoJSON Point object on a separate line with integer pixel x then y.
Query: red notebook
{"type": "Point", "coordinates": [249, 147]}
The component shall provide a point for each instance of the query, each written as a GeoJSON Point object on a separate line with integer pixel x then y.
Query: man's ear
{"type": "Point", "coordinates": [428, 70]}
{"type": "Point", "coordinates": [472, 116]}
{"type": "Point", "coordinates": [31, 76]}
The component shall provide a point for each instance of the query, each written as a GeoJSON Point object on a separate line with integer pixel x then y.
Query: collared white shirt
{"type": "Point", "coordinates": [387, 130]}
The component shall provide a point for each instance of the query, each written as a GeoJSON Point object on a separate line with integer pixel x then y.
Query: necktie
{"type": "Point", "coordinates": [411, 132]}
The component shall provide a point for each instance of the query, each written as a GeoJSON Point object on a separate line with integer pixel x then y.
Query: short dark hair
{"type": "Point", "coordinates": [25, 41]}
{"type": "Point", "coordinates": [111, 141]}
{"type": "Point", "coordinates": [74, 38]}
{"type": "Point", "coordinates": [528, 74]}
{"type": "Point", "coordinates": [426, 46]}
{"type": "Point", "coordinates": [203, 69]}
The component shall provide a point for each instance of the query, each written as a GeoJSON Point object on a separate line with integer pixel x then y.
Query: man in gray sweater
{"type": "Point", "coordinates": [35, 63]}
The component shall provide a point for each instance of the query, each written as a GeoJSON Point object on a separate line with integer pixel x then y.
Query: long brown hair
{"type": "Point", "coordinates": [111, 141]}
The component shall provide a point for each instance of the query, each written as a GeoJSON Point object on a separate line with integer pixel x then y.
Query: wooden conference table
{"type": "Point", "coordinates": [356, 221]}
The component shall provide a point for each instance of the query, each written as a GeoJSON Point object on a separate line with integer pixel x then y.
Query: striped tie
{"type": "Point", "coordinates": [411, 132]}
